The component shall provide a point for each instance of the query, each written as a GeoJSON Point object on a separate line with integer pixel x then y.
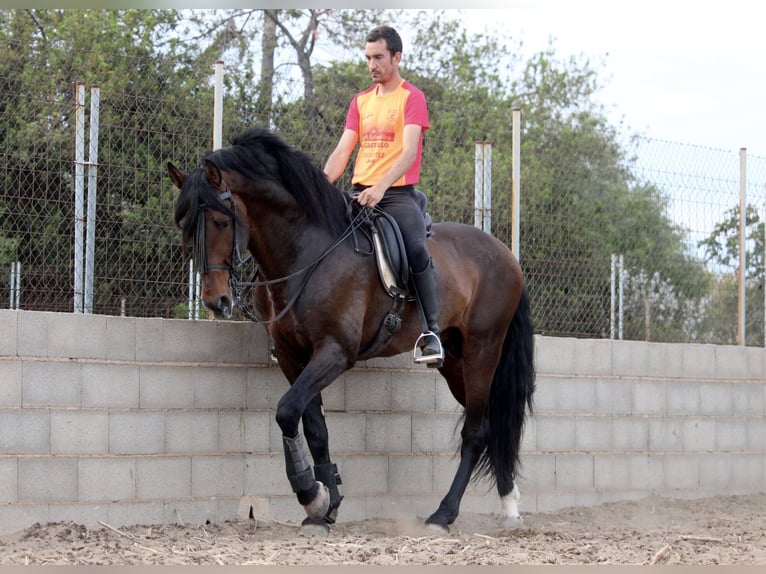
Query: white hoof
{"type": "Point", "coordinates": [318, 507]}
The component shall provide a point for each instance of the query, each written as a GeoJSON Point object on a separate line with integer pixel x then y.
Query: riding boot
{"type": "Point", "coordinates": [428, 297]}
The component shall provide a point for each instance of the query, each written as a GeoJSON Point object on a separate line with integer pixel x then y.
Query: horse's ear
{"type": "Point", "coordinates": [214, 176]}
{"type": "Point", "coordinates": [176, 175]}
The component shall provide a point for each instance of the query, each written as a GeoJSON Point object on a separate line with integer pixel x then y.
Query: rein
{"type": "Point", "coordinates": [240, 289]}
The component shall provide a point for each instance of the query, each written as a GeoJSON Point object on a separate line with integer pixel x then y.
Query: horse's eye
{"type": "Point", "coordinates": [224, 224]}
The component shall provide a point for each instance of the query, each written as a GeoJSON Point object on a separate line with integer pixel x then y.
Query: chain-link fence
{"type": "Point", "coordinates": [662, 212]}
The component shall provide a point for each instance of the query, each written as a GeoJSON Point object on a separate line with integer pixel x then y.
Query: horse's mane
{"type": "Point", "coordinates": [196, 194]}
{"type": "Point", "coordinates": [259, 154]}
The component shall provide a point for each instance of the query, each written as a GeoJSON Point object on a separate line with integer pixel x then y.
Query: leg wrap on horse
{"type": "Point", "coordinates": [328, 474]}
{"type": "Point", "coordinates": [312, 494]}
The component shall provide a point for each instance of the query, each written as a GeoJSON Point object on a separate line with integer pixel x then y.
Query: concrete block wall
{"type": "Point", "coordinates": [127, 420]}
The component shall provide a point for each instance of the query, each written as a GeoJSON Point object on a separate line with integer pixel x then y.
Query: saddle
{"type": "Point", "coordinates": [389, 251]}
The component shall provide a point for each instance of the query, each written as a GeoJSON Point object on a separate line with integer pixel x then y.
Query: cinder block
{"type": "Point", "coordinates": [265, 386]}
{"type": "Point", "coordinates": [716, 398]}
{"type": "Point", "coordinates": [730, 434]}
{"type": "Point", "coordinates": [410, 475]}
{"type": "Point", "coordinates": [25, 432]}
{"type": "Point", "coordinates": [189, 341]}
{"type": "Point", "coordinates": [161, 478]}
{"type": "Point", "coordinates": [86, 514]}
{"type": "Point", "coordinates": [10, 383]}
{"type": "Point", "coordinates": [555, 356]}
{"type": "Point", "coordinates": [562, 395]}
{"type": "Point", "coordinates": [194, 512]}
{"type": "Point", "coordinates": [347, 432]}
{"type": "Point", "coordinates": [748, 398]}
{"type": "Point", "coordinates": [444, 401]}
{"type": "Point", "coordinates": [698, 361]}
{"type": "Point", "coordinates": [107, 479]}
{"type": "Point", "coordinates": [574, 472]}
{"type": "Point", "coordinates": [665, 361]}
{"type": "Point", "coordinates": [444, 467]}
{"type": "Point", "coordinates": [365, 475]}
{"type": "Point", "coordinates": [9, 325]}
{"type": "Point", "coordinates": [716, 471]}
{"type": "Point", "coordinates": [682, 471]}
{"type": "Point", "coordinates": [48, 480]}
{"type": "Point", "coordinates": [730, 363]}
{"type": "Point", "coordinates": [683, 398]}
{"type": "Point", "coordinates": [550, 501]}
{"type": "Point", "coordinates": [17, 517]}
{"type": "Point", "coordinates": [83, 432]}
{"type": "Point", "coordinates": [32, 334]}
{"type": "Point", "coordinates": [218, 475]}
{"type": "Point", "coordinates": [646, 472]}
{"type": "Point", "coordinates": [166, 387]}
{"type": "Point", "coordinates": [435, 433]}
{"type": "Point", "coordinates": [151, 342]}
{"type": "Point", "coordinates": [9, 471]}
{"type": "Point", "coordinates": [747, 472]}
{"type": "Point", "coordinates": [756, 364]}
{"type": "Point", "coordinates": [594, 434]}
{"type": "Point", "coordinates": [413, 392]}
{"type": "Point", "coordinates": [630, 358]}
{"type": "Point", "coordinates": [537, 472]}
{"type": "Point", "coordinates": [136, 433]}
{"type": "Point", "coordinates": [37, 390]}
{"type": "Point", "coordinates": [613, 396]}
{"type": "Point", "coordinates": [592, 357]}
{"type": "Point", "coordinates": [134, 513]}
{"type": "Point", "coordinates": [121, 338]}
{"type": "Point", "coordinates": [112, 386]}
{"type": "Point", "coordinates": [334, 396]}
{"type": "Point", "coordinates": [257, 344]}
{"type": "Point", "coordinates": [611, 472]}
{"type": "Point", "coordinates": [666, 435]}
{"type": "Point", "coordinates": [264, 475]}
{"type": "Point", "coordinates": [243, 431]}
{"type": "Point", "coordinates": [699, 434]}
{"type": "Point", "coordinates": [368, 391]}
{"type": "Point", "coordinates": [191, 432]}
{"type": "Point", "coordinates": [631, 434]}
{"type": "Point", "coordinates": [80, 336]}
{"type": "Point", "coordinates": [387, 433]}
{"type": "Point", "coordinates": [650, 397]}
{"type": "Point", "coordinates": [219, 387]}
{"type": "Point", "coordinates": [556, 433]}
{"type": "Point", "coordinates": [756, 434]}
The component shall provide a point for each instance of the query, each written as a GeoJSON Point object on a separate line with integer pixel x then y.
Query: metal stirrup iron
{"type": "Point", "coordinates": [436, 354]}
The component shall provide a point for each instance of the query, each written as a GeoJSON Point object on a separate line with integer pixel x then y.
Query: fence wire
{"type": "Point", "coordinates": [673, 289]}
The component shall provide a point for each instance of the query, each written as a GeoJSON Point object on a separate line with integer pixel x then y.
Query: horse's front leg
{"type": "Point", "coordinates": [303, 398]}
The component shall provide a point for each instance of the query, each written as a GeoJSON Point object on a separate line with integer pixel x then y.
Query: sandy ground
{"type": "Point", "coordinates": [728, 530]}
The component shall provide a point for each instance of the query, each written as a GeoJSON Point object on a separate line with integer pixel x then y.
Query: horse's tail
{"type": "Point", "coordinates": [510, 395]}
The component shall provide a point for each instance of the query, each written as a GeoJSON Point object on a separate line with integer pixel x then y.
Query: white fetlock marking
{"type": "Point", "coordinates": [510, 504]}
{"type": "Point", "coordinates": [318, 507]}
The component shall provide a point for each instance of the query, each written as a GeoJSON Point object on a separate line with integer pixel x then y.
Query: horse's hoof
{"type": "Point", "coordinates": [318, 507]}
{"type": "Point", "coordinates": [437, 529]}
{"type": "Point", "coordinates": [314, 527]}
{"type": "Point", "coordinates": [512, 522]}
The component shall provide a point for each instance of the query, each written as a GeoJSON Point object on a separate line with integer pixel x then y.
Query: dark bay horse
{"type": "Point", "coordinates": [327, 307]}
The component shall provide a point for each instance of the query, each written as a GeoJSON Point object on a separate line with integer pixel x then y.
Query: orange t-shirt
{"type": "Point", "coordinates": [379, 121]}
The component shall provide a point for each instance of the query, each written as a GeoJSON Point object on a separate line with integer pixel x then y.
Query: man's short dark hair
{"type": "Point", "coordinates": [387, 33]}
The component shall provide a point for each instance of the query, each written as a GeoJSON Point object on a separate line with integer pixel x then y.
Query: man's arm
{"type": "Point", "coordinates": [411, 137]}
{"type": "Point", "coordinates": [338, 160]}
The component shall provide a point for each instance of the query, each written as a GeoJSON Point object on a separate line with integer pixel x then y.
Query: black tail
{"type": "Point", "coordinates": [509, 397]}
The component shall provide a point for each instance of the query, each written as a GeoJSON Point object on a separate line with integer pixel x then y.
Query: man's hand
{"type": "Point", "coordinates": [371, 196]}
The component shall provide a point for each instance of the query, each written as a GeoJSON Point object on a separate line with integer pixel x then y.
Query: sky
{"type": "Point", "coordinates": [676, 70]}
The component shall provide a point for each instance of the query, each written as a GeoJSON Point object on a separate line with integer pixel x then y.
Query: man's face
{"type": "Point", "coordinates": [380, 63]}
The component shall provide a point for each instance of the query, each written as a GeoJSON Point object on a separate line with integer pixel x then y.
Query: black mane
{"type": "Point", "coordinates": [259, 154]}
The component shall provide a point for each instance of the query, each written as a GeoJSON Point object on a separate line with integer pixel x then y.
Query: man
{"type": "Point", "coordinates": [387, 120]}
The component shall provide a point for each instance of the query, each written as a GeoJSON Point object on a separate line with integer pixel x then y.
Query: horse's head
{"type": "Point", "coordinates": [214, 222]}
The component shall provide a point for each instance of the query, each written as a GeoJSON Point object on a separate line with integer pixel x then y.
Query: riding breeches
{"type": "Point", "coordinates": [400, 203]}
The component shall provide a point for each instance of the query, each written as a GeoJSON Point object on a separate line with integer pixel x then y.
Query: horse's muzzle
{"type": "Point", "coordinates": [222, 307]}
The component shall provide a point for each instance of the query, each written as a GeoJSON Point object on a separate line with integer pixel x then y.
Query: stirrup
{"type": "Point", "coordinates": [417, 353]}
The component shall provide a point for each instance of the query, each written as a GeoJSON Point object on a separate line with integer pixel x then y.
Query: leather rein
{"type": "Point", "coordinates": [241, 289]}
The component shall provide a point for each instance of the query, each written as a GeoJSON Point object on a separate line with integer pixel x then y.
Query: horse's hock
{"type": "Point", "coordinates": [129, 420]}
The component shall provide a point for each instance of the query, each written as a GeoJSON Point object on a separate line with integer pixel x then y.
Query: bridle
{"type": "Point", "coordinates": [241, 289]}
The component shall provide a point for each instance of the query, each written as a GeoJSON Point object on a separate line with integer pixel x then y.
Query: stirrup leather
{"type": "Point", "coordinates": [417, 354]}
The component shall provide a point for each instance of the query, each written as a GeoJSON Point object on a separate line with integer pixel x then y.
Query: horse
{"type": "Point", "coordinates": [324, 306]}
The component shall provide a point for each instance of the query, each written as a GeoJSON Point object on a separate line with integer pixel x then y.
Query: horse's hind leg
{"type": "Point", "coordinates": [472, 445]}
{"type": "Point", "coordinates": [325, 471]}
{"type": "Point", "coordinates": [509, 499]}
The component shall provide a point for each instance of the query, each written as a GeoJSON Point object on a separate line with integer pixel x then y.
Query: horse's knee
{"type": "Point", "coordinates": [287, 417]}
